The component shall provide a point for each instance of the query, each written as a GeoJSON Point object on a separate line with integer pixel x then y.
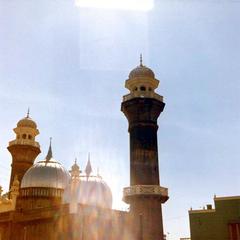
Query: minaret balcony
{"type": "Point", "coordinates": [145, 190]}
{"type": "Point", "coordinates": [142, 94]}
{"type": "Point", "coordinates": [24, 142]}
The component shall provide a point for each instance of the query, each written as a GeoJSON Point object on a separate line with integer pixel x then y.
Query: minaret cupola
{"type": "Point", "coordinates": [26, 131]}
{"type": "Point", "coordinates": [141, 82]}
{"type": "Point", "coordinates": [75, 171]}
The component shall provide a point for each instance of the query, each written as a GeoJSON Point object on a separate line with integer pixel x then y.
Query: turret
{"type": "Point", "coordinates": [24, 149]}
{"type": "Point", "coordinates": [142, 108]}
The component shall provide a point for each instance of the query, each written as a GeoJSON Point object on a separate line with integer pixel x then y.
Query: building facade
{"type": "Point", "coordinates": [45, 201]}
{"type": "Point", "coordinates": [220, 223]}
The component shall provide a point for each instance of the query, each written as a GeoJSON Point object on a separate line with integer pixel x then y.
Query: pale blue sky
{"type": "Point", "coordinates": [69, 66]}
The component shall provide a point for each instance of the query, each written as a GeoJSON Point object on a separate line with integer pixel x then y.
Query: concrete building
{"type": "Point", "coordinates": [219, 223]}
{"type": "Point", "coordinates": [45, 201]}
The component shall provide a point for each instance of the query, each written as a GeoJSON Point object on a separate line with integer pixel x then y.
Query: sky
{"type": "Point", "coordinates": [69, 65]}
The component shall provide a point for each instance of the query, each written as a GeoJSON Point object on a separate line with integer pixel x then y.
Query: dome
{"type": "Point", "coordinates": [49, 174]}
{"type": "Point", "coordinates": [95, 191]}
{"type": "Point", "coordinates": [27, 122]}
{"type": "Point", "coordinates": [92, 190]}
{"type": "Point", "coordinates": [141, 72]}
{"type": "Point", "coordinates": [89, 190]}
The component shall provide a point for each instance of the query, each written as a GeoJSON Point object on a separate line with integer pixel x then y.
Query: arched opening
{"type": "Point", "coordinates": [24, 136]}
{"type": "Point", "coordinates": [142, 88]}
{"type": "Point", "coordinates": [29, 137]}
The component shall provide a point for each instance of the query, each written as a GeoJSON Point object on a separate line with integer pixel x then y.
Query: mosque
{"type": "Point", "coordinates": [45, 201]}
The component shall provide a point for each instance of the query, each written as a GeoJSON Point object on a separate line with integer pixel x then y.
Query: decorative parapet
{"type": "Point", "coordinates": [41, 192]}
{"type": "Point", "coordinates": [24, 142]}
{"type": "Point", "coordinates": [142, 95]}
{"type": "Point", "coordinates": [145, 190]}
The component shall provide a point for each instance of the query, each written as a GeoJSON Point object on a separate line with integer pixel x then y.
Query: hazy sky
{"type": "Point", "coordinates": [69, 66]}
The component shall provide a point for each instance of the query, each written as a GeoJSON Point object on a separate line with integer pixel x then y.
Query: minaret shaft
{"type": "Point", "coordinates": [23, 157]}
{"type": "Point", "coordinates": [142, 115]}
{"type": "Point", "coordinates": [143, 155]}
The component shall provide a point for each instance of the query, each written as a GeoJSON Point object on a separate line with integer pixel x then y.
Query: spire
{"type": "Point", "coordinates": [49, 154]}
{"type": "Point", "coordinates": [28, 111]}
{"type": "Point", "coordinates": [141, 61]}
{"type": "Point", "coordinates": [88, 168]}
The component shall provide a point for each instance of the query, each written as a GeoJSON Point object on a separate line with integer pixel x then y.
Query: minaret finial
{"type": "Point", "coordinates": [49, 154]}
{"type": "Point", "coordinates": [141, 60]}
{"type": "Point", "coordinates": [28, 111]}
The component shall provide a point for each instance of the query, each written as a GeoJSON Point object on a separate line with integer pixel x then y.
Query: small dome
{"type": "Point", "coordinates": [88, 189]}
{"type": "Point", "coordinates": [27, 122]}
{"type": "Point", "coordinates": [92, 191]}
{"type": "Point", "coordinates": [95, 191]}
{"type": "Point", "coordinates": [141, 72]}
{"type": "Point", "coordinates": [48, 173]}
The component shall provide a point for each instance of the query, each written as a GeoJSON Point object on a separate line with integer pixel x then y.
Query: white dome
{"type": "Point", "coordinates": [48, 173]}
{"type": "Point", "coordinates": [92, 190]}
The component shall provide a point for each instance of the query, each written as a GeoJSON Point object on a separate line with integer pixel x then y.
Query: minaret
{"type": "Point", "coordinates": [24, 149]}
{"type": "Point", "coordinates": [142, 108]}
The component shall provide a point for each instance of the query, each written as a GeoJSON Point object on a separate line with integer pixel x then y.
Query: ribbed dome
{"type": "Point", "coordinates": [91, 191]}
{"type": "Point", "coordinates": [27, 122]}
{"type": "Point", "coordinates": [88, 189]}
{"type": "Point", "coordinates": [49, 174]}
{"type": "Point", "coordinates": [94, 191]}
{"type": "Point", "coordinates": [141, 72]}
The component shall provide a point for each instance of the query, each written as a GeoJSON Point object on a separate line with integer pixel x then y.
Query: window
{"type": "Point", "coordinates": [142, 88]}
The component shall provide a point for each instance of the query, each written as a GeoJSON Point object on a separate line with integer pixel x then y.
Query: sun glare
{"type": "Point", "coordinates": [136, 5]}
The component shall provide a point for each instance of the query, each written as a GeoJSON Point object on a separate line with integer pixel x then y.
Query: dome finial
{"type": "Point", "coordinates": [49, 154]}
{"type": "Point", "coordinates": [141, 60]}
{"type": "Point", "coordinates": [88, 168]}
{"type": "Point", "coordinates": [28, 111]}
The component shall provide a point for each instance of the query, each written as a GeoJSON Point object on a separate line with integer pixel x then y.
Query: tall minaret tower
{"type": "Point", "coordinates": [24, 149]}
{"type": "Point", "coordinates": [142, 108]}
